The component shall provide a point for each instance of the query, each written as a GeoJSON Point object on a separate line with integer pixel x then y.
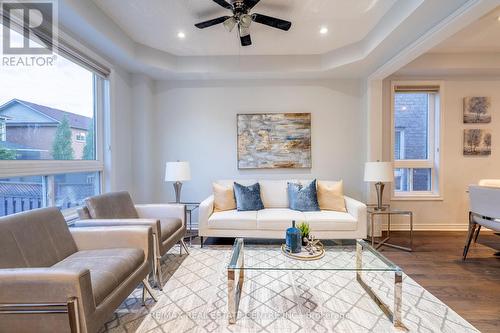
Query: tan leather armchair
{"type": "Point", "coordinates": [117, 208]}
{"type": "Point", "coordinates": [56, 279]}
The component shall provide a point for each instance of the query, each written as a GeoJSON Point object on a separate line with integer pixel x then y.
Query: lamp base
{"type": "Point", "coordinates": [379, 186]}
{"type": "Point", "coordinates": [177, 189]}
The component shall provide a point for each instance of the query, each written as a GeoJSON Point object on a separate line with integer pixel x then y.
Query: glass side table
{"type": "Point", "coordinates": [190, 207]}
{"type": "Point", "coordinates": [388, 211]}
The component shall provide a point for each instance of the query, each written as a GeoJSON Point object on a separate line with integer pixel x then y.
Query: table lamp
{"type": "Point", "coordinates": [177, 172]}
{"type": "Point", "coordinates": [379, 172]}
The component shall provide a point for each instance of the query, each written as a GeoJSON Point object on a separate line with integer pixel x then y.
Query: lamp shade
{"type": "Point", "coordinates": [379, 172]}
{"type": "Point", "coordinates": [177, 172]}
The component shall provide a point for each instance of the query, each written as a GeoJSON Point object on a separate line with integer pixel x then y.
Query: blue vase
{"type": "Point", "coordinates": [293, 239]}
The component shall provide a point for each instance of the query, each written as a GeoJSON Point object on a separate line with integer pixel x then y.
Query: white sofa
{"type": "Point", "coordinates": [272, 221]}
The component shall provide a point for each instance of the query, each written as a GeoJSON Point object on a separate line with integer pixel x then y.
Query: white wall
{"type": "Point", "coordinates": [118, 163]}
{"type": "Point", "coordinates": [197, 122]}
{"type": "Point", "coordinates": [458, 171]}
{"type": "Point", "coordinates": [143, 134]}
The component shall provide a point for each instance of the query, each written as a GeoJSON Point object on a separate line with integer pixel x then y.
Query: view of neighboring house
{"type": "Point", "coordinates": [30, 129]}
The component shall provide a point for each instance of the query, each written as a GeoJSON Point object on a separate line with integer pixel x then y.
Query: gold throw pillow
{"type": "Point", "coordinates": [223, 198]}
{"type": "Point", "coordinates": [331, 196]}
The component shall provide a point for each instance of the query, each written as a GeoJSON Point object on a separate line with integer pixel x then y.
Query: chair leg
{"type": "Point", "coordinates": [183, 245]}
{"type": "Point", "coordinates": [147, 287]}
{"type": "Point", "coordinates": [477, 233]}
{"type": "Point", "coordinates": [158, 273]}
{"type": "Point", "coordinates": [201, 241]}
{"type": "Point", "coordinates": [472, 227]}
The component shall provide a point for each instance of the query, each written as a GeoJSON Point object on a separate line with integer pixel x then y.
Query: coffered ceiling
{"type": "Point", "coordinates": [363, 37]}
{"type": "Point", "coordinates": [156, 23]}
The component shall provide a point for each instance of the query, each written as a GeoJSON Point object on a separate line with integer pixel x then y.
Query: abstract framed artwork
{"type": "Point", "coordinates": [477, 110]}
{"type": "Point", "coordinates": [274, 140]}
{"type": "Point", "coordinates": [477, 142]}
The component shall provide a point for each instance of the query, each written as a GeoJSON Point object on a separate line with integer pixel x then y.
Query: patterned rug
{"type": "Point", "coordinates": [194, 299]}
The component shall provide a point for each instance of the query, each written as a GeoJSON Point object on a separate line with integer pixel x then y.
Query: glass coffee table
{"type": "Point", "coordinates": [358, 258]}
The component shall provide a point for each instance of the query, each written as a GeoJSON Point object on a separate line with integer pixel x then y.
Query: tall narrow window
{"type": "Point", "coordinates": [415, 140]}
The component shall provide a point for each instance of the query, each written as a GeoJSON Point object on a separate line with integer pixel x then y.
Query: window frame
{"type": "Point", "coordinates": [434, 149]}
{"type": "Point", "coordinates": [102, 80]}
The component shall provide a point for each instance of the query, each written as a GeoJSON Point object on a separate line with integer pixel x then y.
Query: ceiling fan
{"type": "Point", "coordinates": [243, 19]}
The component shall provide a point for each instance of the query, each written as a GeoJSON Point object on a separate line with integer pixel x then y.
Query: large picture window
{"type": "Point", "coordinates": [51, 132]}
{"type": "Point", "coordinates": [415, 140]}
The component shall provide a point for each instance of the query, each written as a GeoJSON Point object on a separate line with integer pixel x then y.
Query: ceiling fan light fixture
{"type": "Point", "coordinates": [244, 31]}
{"type": "Point", "coordinates": [229, 24]}
{"type": "Point", "coordinates": [246, 20]}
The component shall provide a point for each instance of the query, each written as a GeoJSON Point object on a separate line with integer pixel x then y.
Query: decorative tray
{"type": "Point", "coordinates": [304, 254]}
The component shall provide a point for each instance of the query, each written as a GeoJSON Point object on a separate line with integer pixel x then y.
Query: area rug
{"type": "Point", "coordinates": [194, 299]}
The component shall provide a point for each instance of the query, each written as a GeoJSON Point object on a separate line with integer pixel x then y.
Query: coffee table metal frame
{"type": "Point", "coordinates": [236, 276]}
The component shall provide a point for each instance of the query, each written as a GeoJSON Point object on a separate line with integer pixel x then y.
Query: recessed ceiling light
{"type": "Point", "coordinates": [323, 30]}
{"type": "Point", "coordinates": [181, 35]}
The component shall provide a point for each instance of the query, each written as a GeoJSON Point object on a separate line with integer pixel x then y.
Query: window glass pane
{"type": "Point", "coordinates": [421, 179]}
{"type": "Point", "coordinates": [47, 112]}
{"type": "Point", "coordinates": [411, 121]}
{"type": "Point", "coordinates": [63, 191]}
{"type": "Point", "coordinates": [72, 188]}
{"type": "Point", "coordinates": [401, 180]}
{"type": "Point", "coordinates": [20, 194]}
{"type": "Point", "coordinates": [418, 179]}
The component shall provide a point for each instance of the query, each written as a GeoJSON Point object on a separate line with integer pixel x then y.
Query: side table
{"type": "Point", "coordinates": [387, 211]}
{"type": "Point", "coordinates": [190, 207]}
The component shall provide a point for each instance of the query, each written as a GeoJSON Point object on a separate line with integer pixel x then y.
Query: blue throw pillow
{"type": "Point", "coordinates": [303, 198]}
{"type": "Point", "coordinates": [248, 197]}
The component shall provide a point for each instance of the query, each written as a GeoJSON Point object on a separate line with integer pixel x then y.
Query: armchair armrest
{"type": "Point", "coordinates": [159, 211]}
{"type": "Point", "coordinates": [206, 209]}
{"type": "Point", "coordinates": [38, 288]}
{"type": "Point", "coordinates": [140, 237]}
{"type": "Point", "coordinates": [358, 210]}
{"type": "Point", "coordinates": [153, 223]}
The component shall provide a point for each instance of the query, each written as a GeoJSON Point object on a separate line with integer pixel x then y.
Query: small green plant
{"type": "Point", "coordinates": [304, 229]}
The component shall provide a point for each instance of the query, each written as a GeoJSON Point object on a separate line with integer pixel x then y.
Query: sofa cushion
{"type": "Point", "coordinates": [278, 218]}
{"type": "Point", "coordinates": [327, 220]}
{"type": "Point", "coordinates": [274, 193]}
{"type": "Point", "coordinates": [108, 267]}
{"type": "Point", "coordinates": [303, 198]}
{"type": "Point", "coordinates": [115, 205]}
{"type": "Point", "coordinates": [168, 226]}
{"type": "Point", "coordinates": [248, 197]}
{"type": "Point", "coordinates": [223, 197]}
{"type": "Point", "coordinates": [233, 219]}
{"type": "Point", "coordinates": [331, 195]}
{"type": "Point", "coordinates": [36, 238]}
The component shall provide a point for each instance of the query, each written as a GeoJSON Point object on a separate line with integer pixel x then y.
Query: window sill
{"type": "Point", "coordinates": [411, 197]}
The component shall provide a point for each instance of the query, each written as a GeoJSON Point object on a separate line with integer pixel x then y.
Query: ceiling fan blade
{"type": "Point", "coordinates": [272, 21]}
{"type": "Point", "coordinates": [224, 4]}
{"type": "Point", "coordinates": [209, 23]}
{"type": "Point", "coordinates": [251, 3]}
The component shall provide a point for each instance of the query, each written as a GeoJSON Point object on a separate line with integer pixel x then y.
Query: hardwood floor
{"type": "Point", "coordinates": [471, 287]}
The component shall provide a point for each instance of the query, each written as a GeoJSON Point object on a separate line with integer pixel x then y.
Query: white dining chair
{"type": "Point", "coordinates": [484, 211]}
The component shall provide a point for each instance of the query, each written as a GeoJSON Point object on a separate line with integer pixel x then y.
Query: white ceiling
{"type": "Point", "coordinates": [156, 23]}
{"type": "Point", "coordinates": [481, 36]}
{"type": "Point", "coordinates": [366, 37]}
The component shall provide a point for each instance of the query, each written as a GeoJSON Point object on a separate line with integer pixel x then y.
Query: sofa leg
{"type": "Point", "coordinates": [201, 241]}
{"type": "Point", "coordinates": [183, 245]}
{"type": "Point", "coordinates": [147, 287]}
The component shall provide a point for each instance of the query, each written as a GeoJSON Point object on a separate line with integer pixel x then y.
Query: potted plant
{"type": "Point", "coordinates": [304, 230]}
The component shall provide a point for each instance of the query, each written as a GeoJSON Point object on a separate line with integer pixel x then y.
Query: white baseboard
{"type": "Point", "coordinates": [430, 227]}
